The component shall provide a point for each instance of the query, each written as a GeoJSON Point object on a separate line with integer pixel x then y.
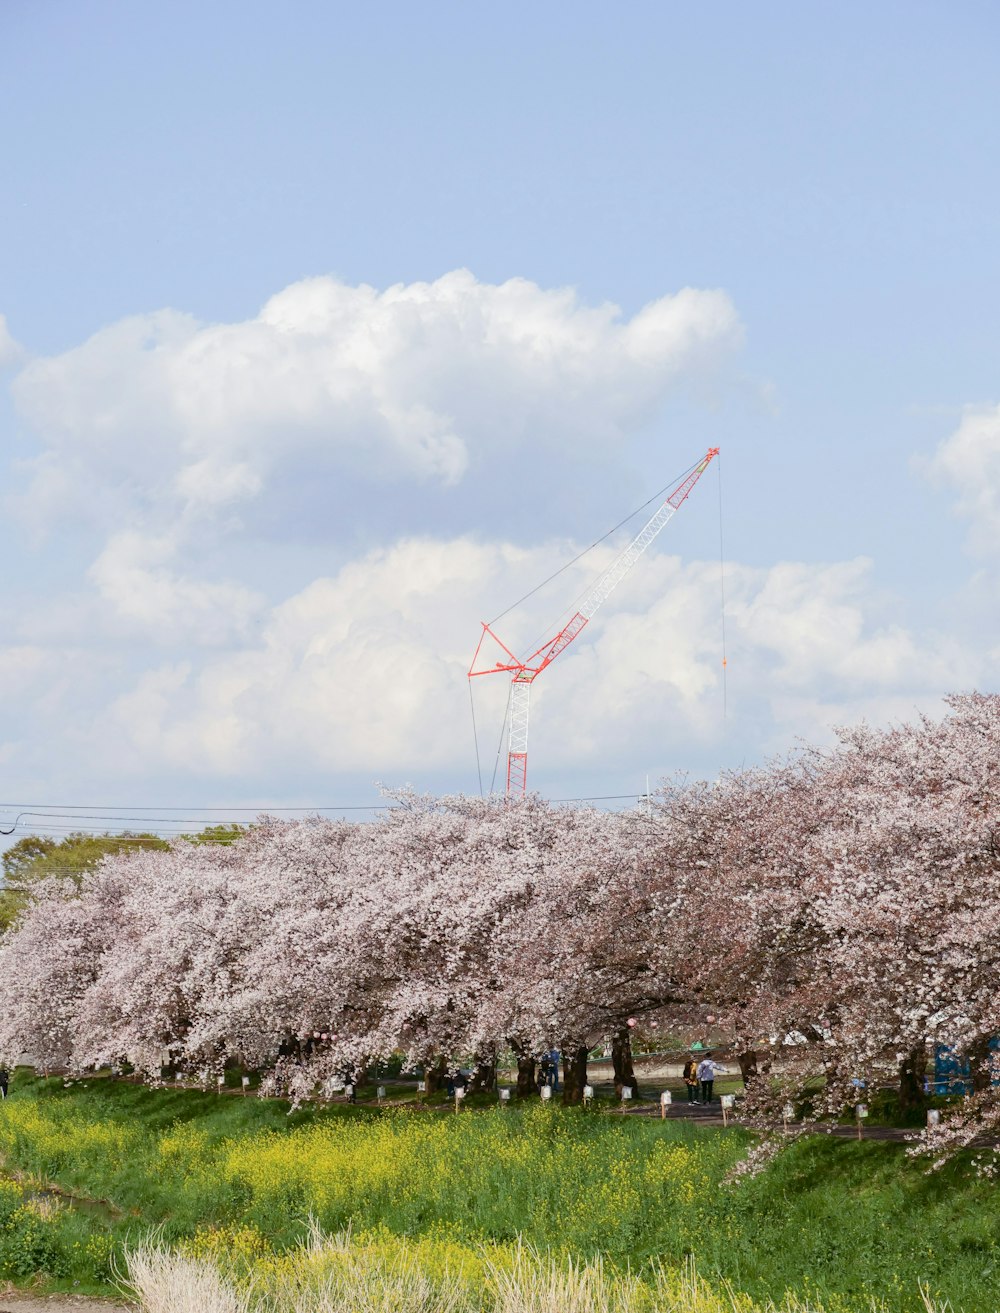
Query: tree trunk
{"type": "Point", "coordinates": [485, 1075]}
{"type": "Point", "coordinates": [981, 1071]}
{"type": "Point", "coordinates": [574, 1073]}
{"type": "Point", "coordinates": [748, 1067]}
{"type": "Point", "coordinates": [621, 1058]}
{"type": "Point", "coordinates": [434, 1074]}
{"type": "Point", "coordinates": [912, 1070]}
{"type": "Point", "coordinates": [525, 1076]}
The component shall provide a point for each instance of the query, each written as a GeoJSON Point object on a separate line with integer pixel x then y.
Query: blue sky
{"type": "Point", "coordinates": [823, 177]}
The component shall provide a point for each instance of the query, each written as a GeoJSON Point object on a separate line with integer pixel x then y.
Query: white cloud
{"type": "Point", "coordinates": [211, 483]}
{"type": "Point", "coordinates": [969, 460]}
{"type": "Point", "coordinates": [26, 670]}
{"type": "Point", "coordinates": [132, 574]}
{"type": "Point", "coordinates": [170, 433]}
{"type": "Point", "coordinates": [418, 382]}
{"type": "Point", "coordinates": [366, 671]}
{"type": "Point", "coordinates": [10, 352]}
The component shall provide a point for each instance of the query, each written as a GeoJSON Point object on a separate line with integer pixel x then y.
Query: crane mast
{"type": "Point", "coordinates": [524, 673]}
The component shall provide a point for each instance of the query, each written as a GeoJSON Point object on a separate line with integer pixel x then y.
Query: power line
{"type": "Point", "coordinates": [260, 809]}
{"type": "Point", "coordinates": [130, 836]}
{"type": "Point", "coordinates": [162, 835]}
{"type": "Point", "coordinates": [46, 828]}
{"type": "Point", "coordinates": [166, 820]}
{"type": "Point", "coordinates": [68, 812]}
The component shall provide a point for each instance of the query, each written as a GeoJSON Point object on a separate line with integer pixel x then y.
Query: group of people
{"type": "Point", "coordinates": [699, 1078]}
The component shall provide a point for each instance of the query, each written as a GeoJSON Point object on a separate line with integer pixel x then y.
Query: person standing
{"type": "Point", "coordinates": [691, 1080]}
{"type": "Point", "coordinates": [706, 1074]}
{"type": "Point", "coordinates": [3, 1082]}
{"type": "Point", "coordinates": [554, 1070]}
{"type": "Point", "coordinates": [544, 1076]}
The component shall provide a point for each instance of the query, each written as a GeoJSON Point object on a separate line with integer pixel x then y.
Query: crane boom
{"type": "Point", "coordinates": [524, 673]}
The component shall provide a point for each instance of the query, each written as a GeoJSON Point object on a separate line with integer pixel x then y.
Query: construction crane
{"type": "Point", "coordinates": [524, 673]}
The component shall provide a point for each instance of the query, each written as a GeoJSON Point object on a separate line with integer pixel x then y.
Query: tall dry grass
{"type": "Point", "coordinates": [166, 1282]}
{"type": "Point", "coordinates": [341, 1274]}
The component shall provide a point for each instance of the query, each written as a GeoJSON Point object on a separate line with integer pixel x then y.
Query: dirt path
{"type": "Point", "coordinates": [18, 1301]}
{"type": "Point", "coordinates": [712, 1116]}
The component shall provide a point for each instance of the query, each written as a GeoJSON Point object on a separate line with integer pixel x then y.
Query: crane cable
{"type": "Point", "coordinates": [475, 739]}
{"type": "Point", "coordinates": [503, 727]}
{"type": "Point", "coordinates": [538, 587]}
{"type": "Point", "coordinates": [475, 736]}
{"type": "Point", "coordinates": [596, 543]}
{"type": "Point", "coordinates": [722, 589]}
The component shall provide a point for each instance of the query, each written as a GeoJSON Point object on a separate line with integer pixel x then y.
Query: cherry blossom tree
{"type": "Point", "coordinates": [846, 898]}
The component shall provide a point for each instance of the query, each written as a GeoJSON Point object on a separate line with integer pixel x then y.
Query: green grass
{"type": "Point", "coordinates": [837, 1222]}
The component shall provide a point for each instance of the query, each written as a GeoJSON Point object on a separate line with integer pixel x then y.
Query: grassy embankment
{"type": "Point", "coordinates": [836, 1224]}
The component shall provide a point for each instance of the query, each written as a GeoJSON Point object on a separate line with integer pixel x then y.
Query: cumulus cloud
{"type": "Point", "coordinates": [171, 433]}
{"type": "Point", "coordinates": [26, 671]}
{"type": "Point", "coordinates": [420, 382]}
{"type": "Point", "coordinates": [133, 575]}
{"type": "Point", "coordinates": [969, 461]}
{"type": "Point", "coordinates": [366, 671]}
{"type": "Point", "coordinates": [10, 352]}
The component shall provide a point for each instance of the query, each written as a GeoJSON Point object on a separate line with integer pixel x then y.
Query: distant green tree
{"type": "Point", "coordinates": [225, 834]}
{"type": "Point", "coordinates": [25, 852]}
{"type": "Point", "coordinates": [37, 857]}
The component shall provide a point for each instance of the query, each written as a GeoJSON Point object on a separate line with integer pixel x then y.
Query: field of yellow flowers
{"type": "Point", "coordinates": [237, 1186]}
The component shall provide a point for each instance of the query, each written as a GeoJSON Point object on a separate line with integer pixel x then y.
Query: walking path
{"type": "Point", "coordinates": [712, 1116]}
{"type": "Point", "coordinates": [680, 1109]}
{"type": "Point", "coordinates": [18, 1301]}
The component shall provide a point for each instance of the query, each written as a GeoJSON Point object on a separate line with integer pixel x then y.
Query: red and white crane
{"type": "Point", "coordinates": [524, 673]}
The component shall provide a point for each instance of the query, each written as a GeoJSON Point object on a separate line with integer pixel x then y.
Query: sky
{"type": "Point", "coordinates": [329, 331]}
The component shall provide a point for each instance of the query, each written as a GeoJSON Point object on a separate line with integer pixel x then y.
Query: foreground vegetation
{"type": "Point", "coordinates": [233, 1180]}
{"type": "Point", "coordinates": [389, 1274]}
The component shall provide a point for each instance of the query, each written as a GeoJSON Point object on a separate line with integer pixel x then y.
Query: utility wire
{"type": "Point", "coordinates": [179, 821]}
{"type": "Point", "coordinates": [259, 809]}
{"type": "Point", "coordinates": [152, 820]}
{"type": "Point", "coordinates": [138, 841]}
{"type": "Point", "coordinates": [129, 836]}
{"type": "Point", "coordinates": [55, 815]}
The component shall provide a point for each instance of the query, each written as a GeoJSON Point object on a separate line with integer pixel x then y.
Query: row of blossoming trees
{"type": "Point", "coordinates": [852, 896]}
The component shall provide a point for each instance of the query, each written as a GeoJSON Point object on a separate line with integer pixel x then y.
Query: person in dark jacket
{"type": "Point", "coordinates": [691, 1080]}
